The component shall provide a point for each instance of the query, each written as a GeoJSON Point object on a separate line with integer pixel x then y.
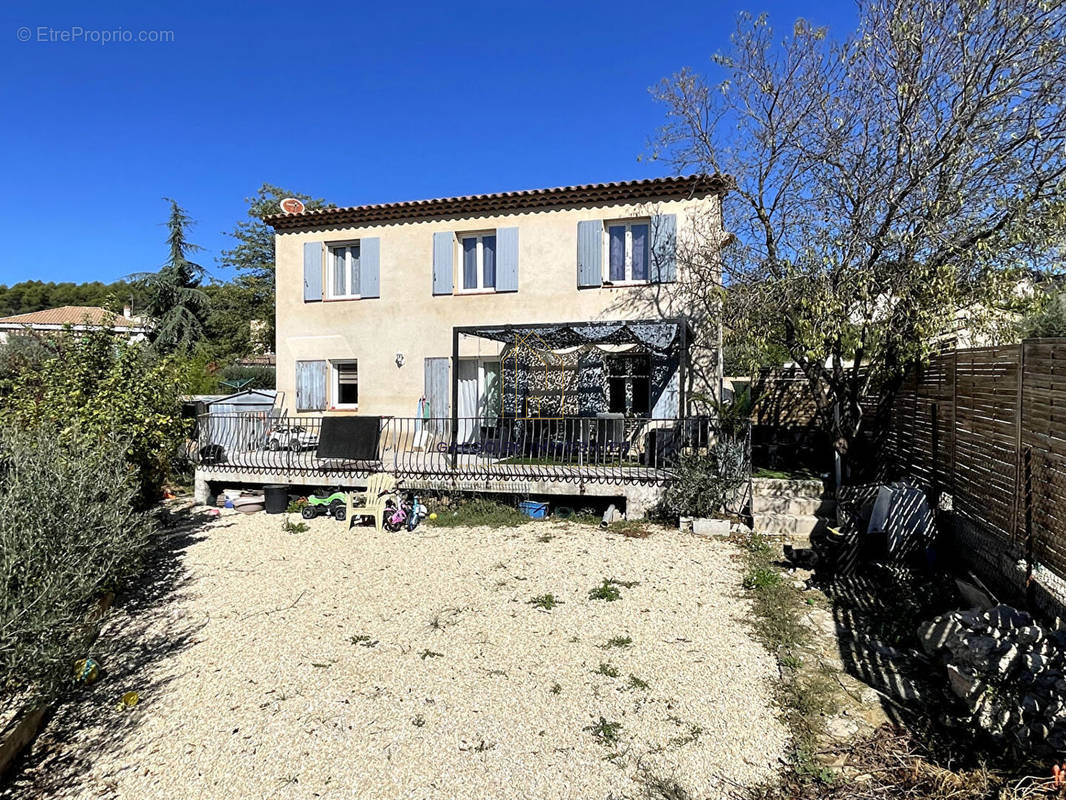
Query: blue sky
{"type": "Point", "coordinates": [355, 102]}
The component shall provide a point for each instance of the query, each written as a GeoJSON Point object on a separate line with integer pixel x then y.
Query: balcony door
{"type": "Point", "coordinates": [479, 396]}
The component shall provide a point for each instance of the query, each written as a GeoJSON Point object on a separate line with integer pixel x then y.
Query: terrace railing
{"type": "Point", "coordinates": [571, 449]}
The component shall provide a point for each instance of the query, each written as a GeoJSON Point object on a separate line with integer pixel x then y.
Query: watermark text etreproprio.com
{"type": "Point", "coordinates": [76, 33]}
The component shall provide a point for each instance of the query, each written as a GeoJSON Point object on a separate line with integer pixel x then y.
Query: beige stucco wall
{"type": "Point", "coordinates": [409, 319]}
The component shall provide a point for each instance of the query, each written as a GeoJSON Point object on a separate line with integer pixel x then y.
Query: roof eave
{"type": "Point", "coordinates": [589, 195]}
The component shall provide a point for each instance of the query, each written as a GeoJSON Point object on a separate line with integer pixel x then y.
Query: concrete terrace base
{"type": "Point", "coordinates": [639, 498]}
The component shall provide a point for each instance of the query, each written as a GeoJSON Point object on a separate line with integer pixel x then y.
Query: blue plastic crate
{"type": "Point", "coordinates": [533, 510]}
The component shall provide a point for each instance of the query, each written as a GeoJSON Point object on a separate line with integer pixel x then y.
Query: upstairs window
{"type": "Point", "coordinates": [344, 272]}
{"type": "Point", "coordinates": [479, 262]}
{"type": "Point", "coordinates": [627, 252]}
{"type": "Point", "coordinates": [345, 380]}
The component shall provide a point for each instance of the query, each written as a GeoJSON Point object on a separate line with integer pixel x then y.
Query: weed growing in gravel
{"type": "Point", "coordinates": [557, 688]}
{"type": "Point", "coordinates": [806, 696]}
{"type": "Point", "coordinates": [481, 747]}
{"type": "Point", "coordinates": [363, 640]}
{"type": "Point", "coordinates": [545, 537]}
{"type": "Point", "coordinates": [477, 511]}
{"type": "Point", "coordinates": [656, 787]}
{"type": "Point", "coordinates": [604, 732]}
{"type": "Point", "coordinates": [435, 624]}
{"type": "Point", "coordinates": [295, 506]}
{"type": "Point", "coordinates": [761, 578]}
{"type": "Point", "coordinates": [545, 601]}
{"type": "Point", "coordinates": [608, 590]}
{"type": "Point", "coordinates": [637, 683]}
{"type": "Point", "coordinates": [574, 639]}
{"type": "Point", "coordinates": [430, 654]}
{"type": "Point", "coordinates": [691, 736]}
{"type": "Point", "coordinates": [608, 669]}
{"type": "Point", "coordinates": [293, 527]}
{"type": "Point", "coordinates": [418, 721]}
{"type": "Point", "coordinates": [605, 591]}
{"type": "Point", "coordinates": [617, 641]}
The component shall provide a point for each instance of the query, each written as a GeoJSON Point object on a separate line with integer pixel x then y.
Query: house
{"type": "Point", "coordinates": [536, 342]}
{"type": "Point", "coordinates": [77, 319]}
{"type": "Point", "coordinates": [381, 306]}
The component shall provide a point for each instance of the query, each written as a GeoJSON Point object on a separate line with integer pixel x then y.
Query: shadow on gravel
{"type": "Point", "coordinates": [144, 629]}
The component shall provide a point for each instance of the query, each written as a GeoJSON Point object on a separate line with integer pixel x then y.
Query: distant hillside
{"type": "Point", "coordinates": [26, 296]}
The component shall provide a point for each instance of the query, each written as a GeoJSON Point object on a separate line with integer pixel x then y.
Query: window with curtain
{"type": "Point", "coordinates": [627, 252]}
{"type": "Point", "coordinates": [479, 262]}
{"type": "Point", "coordinates": [344, 271]}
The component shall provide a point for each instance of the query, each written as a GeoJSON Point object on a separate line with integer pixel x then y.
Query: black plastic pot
{"type": "Point", "coordinates": [276, 498]}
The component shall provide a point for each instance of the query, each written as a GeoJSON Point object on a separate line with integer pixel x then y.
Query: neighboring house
{"type": "Point", "coordinates": [77, 319]}
{"type": "Point", "coordinates": [374, 303]}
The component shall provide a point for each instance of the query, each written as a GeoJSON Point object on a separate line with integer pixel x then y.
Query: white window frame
{"type": "Point", "coordinates": [349, 294]}
{"type": "Point", "coordinates": [606, 270]}
{"type": "Point", "coordinates": [335, 383]}
{"type": "Point", "coordinates": [481, 288]}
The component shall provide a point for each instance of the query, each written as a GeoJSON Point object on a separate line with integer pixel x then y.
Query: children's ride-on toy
{"type": "Point", "coordinates": [334, 505]}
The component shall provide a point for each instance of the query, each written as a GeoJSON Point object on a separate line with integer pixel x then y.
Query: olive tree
{"type": "Point", "coordinates": [887, 184]}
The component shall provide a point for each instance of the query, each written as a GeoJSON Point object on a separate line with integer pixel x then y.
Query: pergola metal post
{"type": "Point", "coordinates": [682, 368]}
{"type": "Point", "coordinates": [455, 397]}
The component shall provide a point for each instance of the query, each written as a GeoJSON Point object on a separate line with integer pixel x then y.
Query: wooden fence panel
{"type": "Point", "coordinates": [988, 425]}
{"type": "Point", "coordinates": [1043, 440]}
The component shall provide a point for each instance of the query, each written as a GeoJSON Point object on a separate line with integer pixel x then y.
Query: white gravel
{"type": "Point", "coordinates": [251, 685]}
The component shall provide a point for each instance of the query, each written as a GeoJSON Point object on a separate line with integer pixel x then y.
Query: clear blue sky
{"type": "Point", "coordinates": [356, 102]}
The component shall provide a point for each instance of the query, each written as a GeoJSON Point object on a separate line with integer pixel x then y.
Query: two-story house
{"type": "Point", "coordinates": [547, 303]}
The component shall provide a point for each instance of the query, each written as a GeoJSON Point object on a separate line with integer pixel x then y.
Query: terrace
{"type": "Point", "coordinates": [577, 408]}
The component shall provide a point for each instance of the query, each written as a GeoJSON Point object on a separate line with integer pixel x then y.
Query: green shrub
{"type": "Point", "coordinates": [68, 532]}
{"type": "Point", "coordinates": [1049, 320]}
{"type": "Point", "coordinates": [706, 484]}
{"type": "Point", "coordinates": [22, 352]}
{"type": "Point", "coordinates": [104, 388]}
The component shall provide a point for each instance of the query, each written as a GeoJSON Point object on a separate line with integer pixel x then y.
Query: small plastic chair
{"type": "Point", "coordinates": [372, 501]}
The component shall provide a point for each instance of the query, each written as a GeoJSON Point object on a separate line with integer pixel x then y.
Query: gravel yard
{"type": "Point", "coordinates": [339, 664]}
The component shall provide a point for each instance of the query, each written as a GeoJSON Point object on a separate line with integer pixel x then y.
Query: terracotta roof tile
{"type": "Point", "coordinates": [72, 315]}
{"type": "Point", "coordinates": [591, 194]}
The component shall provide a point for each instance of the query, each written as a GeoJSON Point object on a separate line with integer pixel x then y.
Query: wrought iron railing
{"type": "Point", "coordinates": [613, 450]}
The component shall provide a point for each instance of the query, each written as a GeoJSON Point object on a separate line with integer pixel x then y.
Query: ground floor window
{"type": "Point", "coordinates": [345, 383]}
{"type": "Point", "coordinates": [629, 384]}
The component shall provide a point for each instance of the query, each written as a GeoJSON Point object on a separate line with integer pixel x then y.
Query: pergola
{"type": "Point", "coordinates": [656, 335]}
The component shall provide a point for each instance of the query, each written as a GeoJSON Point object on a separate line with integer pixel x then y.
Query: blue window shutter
{"type": "Point", "coordinates": [312, 272]}
{"type": "Point", "coordinates": [667, 406]}
{"type": "Point", "coordinates": [370, 267]}
{"type": "Point", "coordinates": [663, 248]}
{"type": "Point", "coordinates": [590, 253]}
{"type": "Point", "coordinates": [310, 385]}
{"type": "Point", "coordinates": [507, 259]}
{"type": "Point", "coordinates": [443, 246]}
{"type": "Point", "coordinates": [437, 392]}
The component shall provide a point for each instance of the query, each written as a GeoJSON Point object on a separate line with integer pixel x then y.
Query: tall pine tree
{"type": "Point", "coordinates": [175, 304]}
